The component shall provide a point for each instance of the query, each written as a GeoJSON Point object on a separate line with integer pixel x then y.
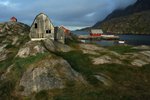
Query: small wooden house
{"type": "Point", "coordinates": [96, 32]}
{"type": "Point", "coordinates": [42, 28]}
{"type": "Point", "coordinates": [13, 19]}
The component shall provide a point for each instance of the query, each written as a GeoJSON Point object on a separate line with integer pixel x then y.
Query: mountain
{"type": "Point", "coordinates": [124, 19]}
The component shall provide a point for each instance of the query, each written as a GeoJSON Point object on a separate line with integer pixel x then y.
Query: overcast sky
{"type": "Point", "coordinates": [70, 13]}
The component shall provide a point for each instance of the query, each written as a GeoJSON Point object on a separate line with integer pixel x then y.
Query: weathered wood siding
{"type": "Point", "coordinates": [59, 35]}
{"type": "Point", "coordinates": [42, 27]}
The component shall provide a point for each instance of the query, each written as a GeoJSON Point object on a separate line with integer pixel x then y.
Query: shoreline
{"type": "Point", "coordinates": [124, 34]}
{"type": "Point", "coordinates": [86, 32]}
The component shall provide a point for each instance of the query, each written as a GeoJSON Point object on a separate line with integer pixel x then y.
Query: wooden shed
{"type": "Point", "coordinates": [42, 28]}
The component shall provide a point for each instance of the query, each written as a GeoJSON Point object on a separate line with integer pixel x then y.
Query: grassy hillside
{"type": "Point", "coordinates": [113, 78]}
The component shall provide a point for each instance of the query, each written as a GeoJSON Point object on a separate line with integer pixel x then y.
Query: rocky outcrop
{"type": "Point", "coordinates": [12, 36]}
{"type": "Point", "coordinates": [30, 74]}
{"type": "Point", "coordinates": [140, 59]}
{"type": "Point", "coordinates": [105, 60]}
{"type": "Point", "coordinates": [100, 55]}
{"type": "Point", "coordinates": [50, 73]}
{"type": "Point", "coordinates": [142, 47]}
{"type": "Point", "coordinates": [54, 46]}
{"type": "Point", "coordinates": [3, 52]}
{"type": "Point", "coordinates": [31, 48]}
{"type": "Point", "coordinates": [91, 49]}
{"type": "Point", "coordinates": [106, 80]}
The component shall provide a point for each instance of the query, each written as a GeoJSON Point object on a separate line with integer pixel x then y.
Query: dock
{"type": "Point", "coordinates": [102, 37]}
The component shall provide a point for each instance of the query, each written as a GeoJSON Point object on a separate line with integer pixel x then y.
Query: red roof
{"type": "Point", "coordinates": [13, 17]}
{"type": "Point", "coordinates": [65, 29]}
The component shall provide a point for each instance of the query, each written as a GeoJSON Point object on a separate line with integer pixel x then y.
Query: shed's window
{"type": "Point", "coordinates": [48, 31]}
{"type": "Point", "coordinates": [35, 25]}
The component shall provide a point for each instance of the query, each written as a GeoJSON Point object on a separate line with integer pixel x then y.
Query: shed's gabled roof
{"type": "Point", "coordinates": [42, 14]}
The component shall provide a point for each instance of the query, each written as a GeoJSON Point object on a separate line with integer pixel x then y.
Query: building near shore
{"type": "Point", "coordinates": [43, 28]}
{"type": "Point", "coordinates": [96, 32]}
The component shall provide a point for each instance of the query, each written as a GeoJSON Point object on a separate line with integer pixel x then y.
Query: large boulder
{"type": "Point", "coordinates": [105, 60]}
{"type": "Point", "coordinates": [50, 73]}
{"type": "Point", "coordinates": [141, 58]}
{"type": "Point", "coordinates": [31, 48]}
{"type": "Point", "coordinates": [55, 46]}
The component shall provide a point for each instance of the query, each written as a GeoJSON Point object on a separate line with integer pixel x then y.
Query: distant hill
{"type": "Point", "coordinates": [139, 6]}
{"type": "Point", "coordinates": [133, 19]}
{"type": "Point", "coordinates": [137, 23]}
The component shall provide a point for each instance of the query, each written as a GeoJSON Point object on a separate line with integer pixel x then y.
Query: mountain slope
{"type": "Point", "coordinates": [140, 9]}
{"type": "Point", "coordinates": [137, 23]}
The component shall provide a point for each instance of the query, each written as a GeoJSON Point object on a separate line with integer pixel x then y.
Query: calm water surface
{"type": "Point", "coordinates": [129, 39]}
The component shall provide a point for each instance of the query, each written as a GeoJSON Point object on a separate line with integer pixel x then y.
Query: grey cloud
{"type": "Point", "coordinates": [62, 12]}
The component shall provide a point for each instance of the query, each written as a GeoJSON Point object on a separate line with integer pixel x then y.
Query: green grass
{"type": "Point", "coordinates": [128, 83]}
{"type": "Point", "coordinates": [42, 95]}
{"type": "Point", "coordinates": [4, 65]}
{"type": "Point", "coordinates": [9, 60]}
{"type": "Point", "coordinates": [79, 61]}
{"type": "Point", "coordinates": [72, 42]}
{"type": "Point", "coordinates": [21, 64]}
{"type": "Point", "coordinates": [122, 49]}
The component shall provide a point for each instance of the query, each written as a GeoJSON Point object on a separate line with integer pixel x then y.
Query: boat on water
{"type": "Point", "coordinates": [83, 41]}
{"type": "Point", "coordinates": [121, 42]}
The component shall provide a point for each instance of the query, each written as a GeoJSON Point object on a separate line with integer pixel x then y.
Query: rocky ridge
{"type": "Point", "coordinates": [106, 56]}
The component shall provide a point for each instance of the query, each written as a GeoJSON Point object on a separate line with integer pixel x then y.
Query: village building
{"type": "Point", "coordinates": [96, 32]}
{"type": "Point", "coordinates": [66, 31]}
{"type": "Point", "coordinates": [43, 28]}
{"type": "Point", "coordinates": [13, 19]}
{"type": "Point", "coordinates": [59, 35]}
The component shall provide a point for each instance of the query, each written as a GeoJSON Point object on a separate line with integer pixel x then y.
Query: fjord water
{"type": "Point", "coordinates": [129, 39]}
